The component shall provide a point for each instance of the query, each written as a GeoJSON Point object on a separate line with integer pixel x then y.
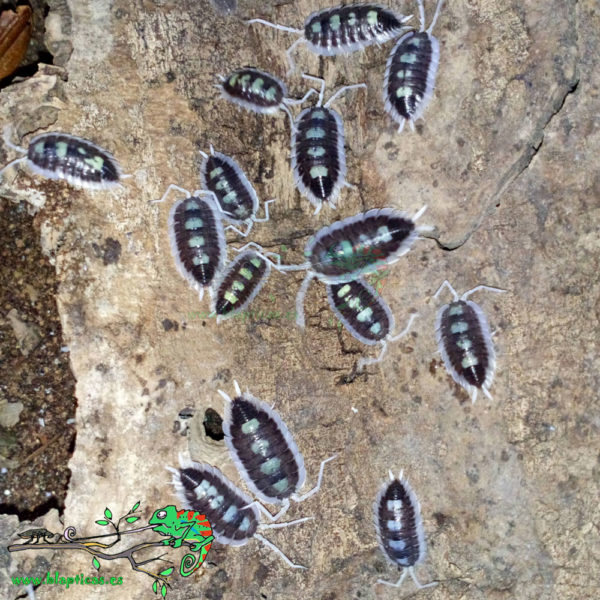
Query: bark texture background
{"type": "Point", "coordinates": [506, 160]}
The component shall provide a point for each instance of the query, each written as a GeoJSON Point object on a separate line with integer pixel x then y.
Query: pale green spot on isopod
{"type": "Point", "coordinates": [193, 223]}
{"type": "Point", "coordinates": [251, 426]}
{"type": "Point", "coordinates": [246, 273]}
{"type": "Point", "coordinates": [196, 241]}
{"type": "Point", "coordinates": [459, 327]}
{"type": "Point", "coordinates": [61, 149]}
{"type": "Point", "coordinates": [343, 291]}
{"type": "Point", "coordinates": [316, 151]}
{"type": "Point", "coordinates": [318, 171]}
{"type": "Point", "coordinates": [270, 466]}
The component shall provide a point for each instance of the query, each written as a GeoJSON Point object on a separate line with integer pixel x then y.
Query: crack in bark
{"type": "Point", "coordinates": [520, 165]}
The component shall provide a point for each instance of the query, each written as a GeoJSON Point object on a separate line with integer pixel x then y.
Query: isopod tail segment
{"type": "Point", "coordinates": [259, 92]}
{"type": "Point", "coordinates": [317, 150]}
{"type": "Point", "coordinates": [356, 246]}
{"type": "Point", "coordinates": [62, 156]}
{"type": "Point", "coordinates": [265, 452]}
{"type": "Point", "coordinates": [343, 29]}
{"type": "Point", "coordinates": [234, 519]}
{"type": "Point", "coordinates": [399, 528]}
{"type": "Point", "coordinates": [196, 237]}
{"type": "Point", "coordinates": [232, 191]}
{"type": "Point", "coordinates": [410, 72]}
{"type": "Point", "coordinates": [465, 342]}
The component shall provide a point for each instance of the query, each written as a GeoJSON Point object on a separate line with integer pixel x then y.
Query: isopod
{"type": "Point", "coordinates": [344, 29]}
{"type": "Point", "coordinates": [410, 72]}
{"type": "Point", "coordinates": [78, 161]}
{"type": "Point", "coordinates": [400, 534]}
{"type": "Point", "coordinates": [318, 155]}
{"type": "Point", "coordinates": [265, 452]}
{"type": "Point", "coordinates": [465, 342]}
{"type": "Point", "coordinates": [234, 517]}
{"type": "Point", "coordinates": [365, 315]}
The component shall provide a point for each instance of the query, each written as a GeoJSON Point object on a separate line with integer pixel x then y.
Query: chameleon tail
{"type": "Point", "coordinates": [191, 562]}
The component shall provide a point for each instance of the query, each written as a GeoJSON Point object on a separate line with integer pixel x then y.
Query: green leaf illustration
{"type": "Point", "coordinates": [102, 522]}
{"type": "Point", "coordinates": [167, 572]}
{"type": "Point", "coordinates": [163, 590]}
{"type": "Point", "coordinates": [135, 507]}
{"type": "Point", "coordinates": [107, 513]}
{"type": "Point", "coordinates": [155, 586]}
{"type": "Point", "coordinates": [96, 563]}
{"type": "Point", "coordinates": [131, 519]}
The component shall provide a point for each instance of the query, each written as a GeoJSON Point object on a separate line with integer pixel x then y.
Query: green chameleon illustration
{"type": "Point", "coordinates": [184, 526]}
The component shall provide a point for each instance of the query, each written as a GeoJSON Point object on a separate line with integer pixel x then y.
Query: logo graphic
{"type": "Point", "coordinates": [180, 527]}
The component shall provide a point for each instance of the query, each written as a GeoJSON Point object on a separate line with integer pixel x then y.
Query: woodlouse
{"type": "Point", "coordinates": [78, 161]}
{"type": "Point", "coordinates": [318, 155]}
{"type": "Point", "coordinates": [231, 189]}
{"type": "Point", "coordinates": [365, 315]}
{"type": "Point", "coordinates": [259, 92]}
{"type": "Point", "coordinates": [400, 534]}
{"type": "Point", "coordinates": [410, 72]}
{"type": "Point", "coordinates": [242, 279]}
{"type": "Point", "coordinates": [343, 29]}
{"type": "Point", "coordinates": [234, 517]}
{"type": "Point", "coordinates": [197, 238]}
{"type": "Point", "coordinates": [464, 341]}
{"type": "Point", "coordinates": [265, 452]}
{"type": "Point", "coordinates": [355, 246]}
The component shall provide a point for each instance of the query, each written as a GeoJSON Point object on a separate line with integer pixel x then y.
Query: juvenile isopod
{"type": "Point", "coordinates": [400, 534]}
{"type": "Point", "coordinates": [318, 155]}
{"type": "Point", "coordinates": [197, 238]}
{"type": "Point", "coordinates": [242, 279]}
{"type": "Point", "coordinates": [355, 246]}
{"type": "Point", "coordinates": [344, 29]}
{"type": "Point", "coordinates": [224, 179]}
{"type": "Point", "coordinates": [63, 156]}
{"type": "Point", "coordinates": [410, 72]}
{"type": "Point", "coordinates": [234, 517]}
{"type": "Point", "coordinates": [265, 452]}
{"type": "Point", "coordinates": [365, 315]}
{"type": "Point", "coordinates": [259, 92]}
{"type": "Point", "coordinates": [465, 342]}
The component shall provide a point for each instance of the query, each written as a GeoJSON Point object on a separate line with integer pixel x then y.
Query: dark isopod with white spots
{"type": "Point", "coordinates": [197, 238]}
{"type": "Point", "coordinates": [399, 528]}
{"type": "Point", "coordinates": [365, 315]}
{"type": "Point", "coordinates": [258, 91]}
{"type": "Point", "coordinates": [239, 283]}
{"type": "Point", "coordinates": [318, 154]}
{"type": "Point", "coordinates": [233, 516]}
{"type": "Point", "coordinates": [78, 161]}
{"type": "Point", "coordinates": [233, 192]}
{"type": "Point", "coordinates": [355, 246]}
{"type": "Point", "coordinates": [344, 29]}
{"type": "Point", "coordinates": [410, 73]}
{"type": "Point", "coordinates": [264, 451]}
{"type": "Point", "coordinates": [465, 342]}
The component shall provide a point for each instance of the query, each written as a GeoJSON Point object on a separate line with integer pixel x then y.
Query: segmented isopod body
{"type": "Point", "coordinates": [78, 161]}
{"type": "Point", "coordinates": [240, 283]}
{"type": "Point", "coordinates": [361, 244]}
{"type": "Point", "coordinates": [344, 29]}
{"type": "Point", "coordinates": [410, 73]}
{"type": "Point", "coordinates": [355, 246]}
{"type": "Point", "coordinates": [258, 91]}
{"type": "Point", "coordinates": [399, 528]}
{"type": "Point", "coordinates": [234, 517]}
{"type": "Point", "coordinates": [264, 451]}
{"type": "Point", "coordinates": [365, 315]}
{"type": "Point", "coordinates": [465, 343]}
{"type": "Point", "coordinates": [197, 241]}
{"type": "Point", "coordinates": [361, 310]}
{"type": "Point", "coordinates": [318, 155]}
{"type": "Point", "coordinates": [237, 198]}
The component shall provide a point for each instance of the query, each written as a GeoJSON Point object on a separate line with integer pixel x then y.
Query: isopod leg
{"type": "Point", "coordinates": [300, 321]}
{"type": "Point", "coordinates": [172, 187]}
{"type": "Point", "coordinates": [278, 551]}
{"type": "Point", "coordinates": [398, 583]}
{"type": "Point", "coordinates": [417, 583]}
{"type": "Point", "coordinates": [317, 487]}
